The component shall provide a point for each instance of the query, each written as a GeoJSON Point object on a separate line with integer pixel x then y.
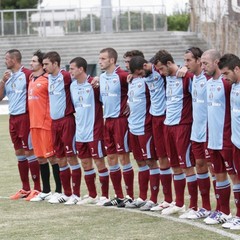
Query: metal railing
{"type": "Point", "coordinates": [46, 22]}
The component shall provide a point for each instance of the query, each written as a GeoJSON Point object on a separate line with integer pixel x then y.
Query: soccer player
{"type": "Point", "coordinates": [89, 130]}
{"type": "Point", "coordinates": [113, 93]}
{"type": "Point", "coordinates": [128, 56]}
{"type": "Point", "coordinates": [40, 125]}
{"type": "Point", "coordinates": [219, 134]}
{"type": "Point", "coordinates": [229, 65]}
{"type": "Point", "coordinates": [178, 129]}
{"type": "Point", "coordinates": [63, 128]}
{"type": "Point", "coordinates": [140, 127]}
{"type": "Point", "coordinates": [14, 85]}
{"type": "Point", "coordinates": [192, 60]}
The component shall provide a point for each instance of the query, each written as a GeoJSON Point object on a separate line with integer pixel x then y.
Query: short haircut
{"type": "Point", "coordinates": [230, 61]}
{"type": "Point", "coordinates": [163, 56]}
{"type": "Point", "coordinates": [133, 53]}
{"type": "Point", "coordinates": [136, 63]}
{"type": "Point", "coordinates": [53, 57]}
{"type": "Point", "coordinates": [213, 54]}
{"type": "Point", "coordinates": [112, 53]}
{"type": "Point", "coordinates": [80, 62]}
{"type": "Point", "coordinates": [39, 55]}
{"type": "Point", "coordinates": [15, 53]}
{"type": "Point", "coordinates": [195, 51]}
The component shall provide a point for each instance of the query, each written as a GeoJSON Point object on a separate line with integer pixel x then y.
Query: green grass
{"type": "Point", "coordinates": [33, 221]}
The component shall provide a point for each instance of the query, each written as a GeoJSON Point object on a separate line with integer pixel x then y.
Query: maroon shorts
{"type": "Point", "coordinates": [178, 146]}
{"type": "Point", "coordinates": [200, 150]}
{"type": "Point", "coordinates": [222, 161]}
{"type": "Point", "coordinates": [142, 146]}
{"type": "Point", "coordinates": [236, 160]}
{"type": "Point", "coordinates": [116, 135]}
{"type": "Point", "coordinates": [93, 149]}
{"type": "Point", "coordinates": [63, 136]}
{"type": "Point", "coordinates": [19, 128]}
{"type": "Point", "coordinates": [158, 135]}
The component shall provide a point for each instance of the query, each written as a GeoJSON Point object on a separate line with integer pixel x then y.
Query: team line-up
{"type": "Point", "coordinates": [182, 126]}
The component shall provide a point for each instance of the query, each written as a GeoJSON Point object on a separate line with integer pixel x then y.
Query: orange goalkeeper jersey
{"type": "Point", "coordinates": [38, 102]}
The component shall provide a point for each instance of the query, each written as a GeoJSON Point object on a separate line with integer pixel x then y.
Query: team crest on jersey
{"type": "Point", "coordinates": [39, 85]}
{"type": "Point", "coordinates": [139, 85]}
{"type": "Point", "coordinates": [20, 78]}
{"type": "Point", "coordinates": [59, 79]}
{"type": "Point", "coordinates": [219, 88]}
{"type": "Point", "coordinates": [114, 81]}
{"type": "Point", "coordinates": [202, 84]}
{"type": "Point", "coordinates": [177, 83]}
{"type": "Point", "coordinates": [155, 78]}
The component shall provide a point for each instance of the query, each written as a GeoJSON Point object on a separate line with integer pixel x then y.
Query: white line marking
{"type": "Point", "coordinates": [175, 219]}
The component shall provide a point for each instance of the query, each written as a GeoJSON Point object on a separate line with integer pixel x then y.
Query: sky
{"type": "Point", "coordinates": [170, 4]}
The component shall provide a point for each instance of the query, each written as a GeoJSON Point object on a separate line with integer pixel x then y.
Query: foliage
{"type": "Point", "coordinates": [18, 4]}
{"type": "Point", "coordinates": [178, 21]}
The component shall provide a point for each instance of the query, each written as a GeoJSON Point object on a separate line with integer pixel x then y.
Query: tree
{"type": "Point", "coordinates": [178, 22]}
{"type": "Point", "coordinates": [18, 4]}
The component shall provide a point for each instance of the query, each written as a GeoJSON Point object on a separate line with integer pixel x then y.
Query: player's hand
{"type": "Point", "coordinates": [182, 71]}
{"type": "Point", "coordinates": [6, 76]}
{"type": "Point", "coordinates": [129, 78]}
{"type": "Point", "coordinates": [95, 82]}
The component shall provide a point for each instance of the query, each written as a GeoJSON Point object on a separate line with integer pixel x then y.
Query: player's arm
{"type": "Point", "coordinates": [182, 71]}
{"type": "Point", "coordinates": [5, 77]}
{"type": "Point", "coordinates": [95, 82]}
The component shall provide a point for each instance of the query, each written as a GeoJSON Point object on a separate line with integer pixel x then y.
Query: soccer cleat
{"type": "Point", "coordinates": [127, 199]}
{"type": "Point", "coordinates": [114, 202]}
{"type": "Point", "coordinates": [60, 198]}
{"type": "Point", "coordinates": [20, 194]}
{"type": "Point", "coordinates": [236, 224]}
{"type": "Point", "coordinates": [211, 215]}
{"type": "Point", "coordinates": [74, 199]}
{"type": "Point", "coordinates": [88, 200]}
{"type": "Point", "coordinates": [173, 209]}
{"type": "Point", "coordinates": [148, 205]}
{"type": "Point", "coordinates": [101, 201]}
{"type": "Point", "coordinates": [218, 217]}
{"type": "Point", "coordinates": [229, 223]}
{"type": "Point", "coordinates": [136, 203]}
{"type": "Point", "coordinates": [41, 197]}
{"type": "Point", "coordinates": [188, 213]}
{"type": "Point", "coordinates": [32, 194]}
{"type": "Point", "coordinates": [201, 213]}
{"type": "Point", "coordinates": [161, 206]}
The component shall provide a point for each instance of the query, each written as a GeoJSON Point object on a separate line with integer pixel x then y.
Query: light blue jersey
{"type": "Point", "coordinates": [87, 108]}
{"type": "Point", "coordinates": [59, 95]}
{"type": "Point", "coordinates": [199, 104]}
{"type": "Point", "coordinates": [113, 91]}
{"type": "Point", "coordinates": [156, 86]}
{"type": "Point", "coordinates": [139, 103]}
{"type": "Point", "coordinates": [235, 114]}
{"type": "Point", "coordinates": [219, 129]}
{"type": "Point", "coordinates": [179, 100]}
{"type": "Point", "coordinates": [16, 91]}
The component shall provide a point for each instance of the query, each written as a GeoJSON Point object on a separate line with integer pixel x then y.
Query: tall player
{"type": "Point", "coordinates": [89, 130]}
{"type": "Point", "coordinates": [40, 125]}
{"type": "Point", "coordinates": [15, 85]}
{"type": "Point", "coordinates": [229, 65]}
{"type": "Point", "coordinates": [219, 134]}
{"type": "Point", "coordinates": [178, 129]}
{"type": "Point", "coordinates": [192, 60]}
{"type": "Point", "coordinates": [63, 128]}
{"type": "Point", "coordinates": [113, 91]}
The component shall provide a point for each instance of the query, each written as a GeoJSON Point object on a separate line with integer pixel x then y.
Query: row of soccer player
{"type": "Point", "coordinates": [166, 117]}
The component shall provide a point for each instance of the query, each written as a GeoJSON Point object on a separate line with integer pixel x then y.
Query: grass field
{"type": "Point", "coordinates": [29, 220]}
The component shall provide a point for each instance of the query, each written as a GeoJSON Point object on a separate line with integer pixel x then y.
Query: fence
{"type": "Point", "coordinates": [45, 22]}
